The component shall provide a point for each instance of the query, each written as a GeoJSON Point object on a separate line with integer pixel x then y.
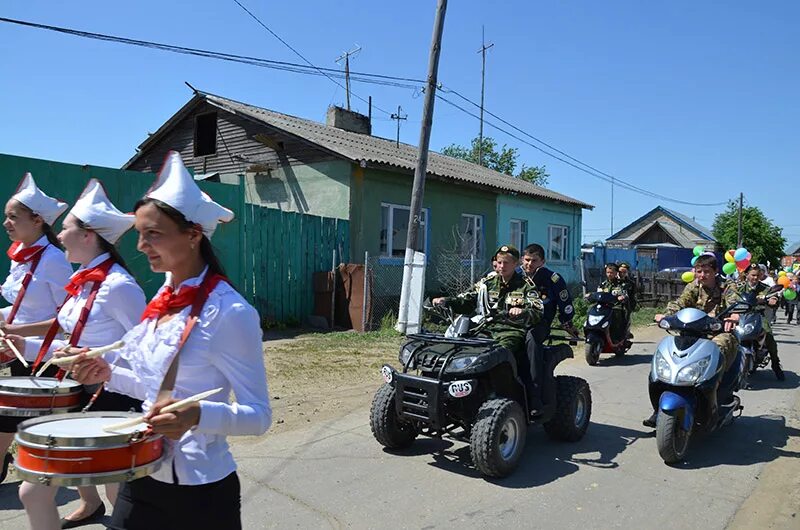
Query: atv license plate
{"type": "Point", "coordinates": [459, 389]}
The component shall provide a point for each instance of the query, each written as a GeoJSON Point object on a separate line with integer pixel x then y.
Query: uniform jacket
{"type": "Point", "coordinates": [554, 294]}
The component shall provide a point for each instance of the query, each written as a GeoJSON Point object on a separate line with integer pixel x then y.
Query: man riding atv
{"type": "Point", "coordinates": [505, 290]}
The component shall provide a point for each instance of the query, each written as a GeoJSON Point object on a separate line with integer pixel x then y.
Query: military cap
{"type": "Point", "coordinates": [508, 249]}
{"type": "Point", "coordinates": [753, 267]}
{"type": "Point", "coordinates": [624, 264]}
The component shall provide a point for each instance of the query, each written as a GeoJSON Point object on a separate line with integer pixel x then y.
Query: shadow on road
{"type": "Point", "coordinates": [9, 496]}
{"type": "Point", "coordinates": [543, 461]}
{"type": "Point", "coordinates": [764, 379]}
{"type": "Point", "coordinates": [627, 360]}
{"type": "Point", "coordinates": [749, 440]}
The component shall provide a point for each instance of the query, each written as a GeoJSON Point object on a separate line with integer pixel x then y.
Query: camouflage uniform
{"type": "Point", "coordinates": [503, 296]}
{"type": "Point", "coordinates": [759, 289]}
{"type": "Point", "coordinates": [619, 315]}
{"type": "Point", "coordinates": [711, 300]}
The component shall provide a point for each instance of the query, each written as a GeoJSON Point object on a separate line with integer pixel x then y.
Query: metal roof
{"type": "Point", "coordinates": [381, 151]}
{"type": "Point", "coordinates": [675, 216]}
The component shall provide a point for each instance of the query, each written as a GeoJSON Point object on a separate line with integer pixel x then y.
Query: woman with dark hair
{"type": "Point", "coordinates": [197, 334]}
{"type": "Point", "coordinates": [35, 283]}
{"type": "Point", "coordinates": [103, 302]}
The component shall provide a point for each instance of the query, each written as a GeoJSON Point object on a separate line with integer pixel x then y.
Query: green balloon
{"type": "Point", "coordinates": [789, 294]}
{"type": "Point", "coordinates": [729, 268]}
{"type": "Point", "coordinates": [699, 249]}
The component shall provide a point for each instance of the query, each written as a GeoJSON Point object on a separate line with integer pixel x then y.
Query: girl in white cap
{"type": "Point", "coordinates": [197, 334]}
{"type": "Point", "coordinates": [103, 301]}
{"type": "Point", "coordinates": [35, 283]}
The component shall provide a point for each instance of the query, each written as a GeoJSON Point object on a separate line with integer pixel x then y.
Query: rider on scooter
{"type": "Point", "coordinates": [752, 284]}
{"type": "Point", "coordinates": [711, 294]}
{"type": "Point", "coordinates": [614, 285]}
{"type": "Point", "coordinates": [504, 290]}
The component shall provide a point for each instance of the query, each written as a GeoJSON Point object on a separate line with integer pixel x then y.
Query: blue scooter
{"type": "Point", "coordinates": [688, 385]}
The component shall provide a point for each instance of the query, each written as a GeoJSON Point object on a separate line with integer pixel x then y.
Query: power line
{"type": "Point", "coordinates": [593, 170]}
{"type": "Point", "coordinates": [347, 74]}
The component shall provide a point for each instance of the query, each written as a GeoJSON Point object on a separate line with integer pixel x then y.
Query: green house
{"type": "Point", "coordinates": [338, 169]}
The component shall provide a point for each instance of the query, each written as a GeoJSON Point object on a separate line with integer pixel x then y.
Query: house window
{"type": "Point", "coordinates": [205, 134]}
{"type": "Point", "coordinates": [557, 243]}
{"type": "Point", "coordinates": [519, 233]}
{"type": "Point", "coordinates": [471, 231]}
{"type": "Point", "coordinates": [394, 230]}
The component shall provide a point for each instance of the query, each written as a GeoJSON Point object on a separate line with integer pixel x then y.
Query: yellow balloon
{"type": "Point", "coordinates": [687, 276]}
{"type": "Point", "coordinates": [782, 273]}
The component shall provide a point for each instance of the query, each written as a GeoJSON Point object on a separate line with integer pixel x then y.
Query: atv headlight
{"type": "Point", "coordinates": [405, 354]}
{"type": "Point", "coordinates": [594, 319]}
{"type": "Point", "coordinates": [460, 363]}
{"type": "Point", "coordinates": [692, 372]}
{"type": "Point", "coordinates": [663, 369]}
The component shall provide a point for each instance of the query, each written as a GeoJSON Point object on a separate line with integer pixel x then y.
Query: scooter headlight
{"type": "Point", "coordinates": [692, 372]}
{"type": "Point", "coordinates": [663, 369]}
{"type": "Point", "coordinates": [747, 329]}
{"type": "Point", "coordinates": [594, 319]}
{"type": "Point", "coordinates": [663, 323]}
{"type": "Point", "coordinates": [460, 363]}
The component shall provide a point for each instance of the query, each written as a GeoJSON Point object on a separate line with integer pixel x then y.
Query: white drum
{"type": "Point", "coordinates": [37, 396]}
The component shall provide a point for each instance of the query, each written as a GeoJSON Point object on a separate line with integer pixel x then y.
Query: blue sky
{"type": "Point", "coordinates": [692, 100]}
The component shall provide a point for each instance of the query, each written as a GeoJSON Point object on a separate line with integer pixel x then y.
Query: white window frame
{"type": "Point", "coordinates": [477, 228]}
{"type": "Point", "coordinates": [552, 231]}
{"type": "Point", "coordinates": [390, 229]}
{"type": "Point", "coordinates": [521, 240]}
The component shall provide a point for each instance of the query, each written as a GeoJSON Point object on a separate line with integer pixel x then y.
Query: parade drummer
{"type": "Point", "coordinates": [35, 283]}
{"type": "Point", "coordinates": [103, 301]}
{"type": "Point", "coordinates": [197, 334]}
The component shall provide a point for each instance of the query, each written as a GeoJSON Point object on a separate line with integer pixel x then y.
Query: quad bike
{"type": "Point", "coordinates": [464, 384]}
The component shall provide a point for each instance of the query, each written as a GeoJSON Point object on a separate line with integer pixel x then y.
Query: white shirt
{"type": "Point", "coordinates": [223, 350]}
{"type": "Point", "coordinates": [46, 289]}
{"type": "Point", "coordinates": [768, 281]}
{"type": "Point", "coordinates": [117, 308]}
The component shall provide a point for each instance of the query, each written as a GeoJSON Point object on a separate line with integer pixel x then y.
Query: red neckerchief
{"type": "Point", "coordinates": [167, 300]}
{"type": "Point", "coordinates": [95, 274]}
{"type": "Point", "coordinates": [98, 275]}
{"type": "Point", "coordinates": [22, 256]}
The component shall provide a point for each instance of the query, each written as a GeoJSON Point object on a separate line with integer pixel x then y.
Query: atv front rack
{"type": "Point", "coordinates": [441, 339]}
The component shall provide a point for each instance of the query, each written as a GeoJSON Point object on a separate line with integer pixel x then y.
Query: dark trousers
{"type": "Point", "coordinates": [534, 348]}
{"type": "Point", "coordinates": [772, 348]}
{"type": "Point", "coordinates": [148, 504]}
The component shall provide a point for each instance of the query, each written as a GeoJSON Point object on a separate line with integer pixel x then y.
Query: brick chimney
{"type": "Point", "coordinates": [348, 120]}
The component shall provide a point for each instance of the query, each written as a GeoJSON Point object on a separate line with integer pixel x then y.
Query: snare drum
{"type": "Point", "coordinates": [74, 450]}
{"type": "Point", "coordinates": [37, 396]}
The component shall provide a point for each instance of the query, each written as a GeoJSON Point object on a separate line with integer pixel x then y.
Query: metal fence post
{"type": "Point", "coordinates": [366, 295]}
{"type": "Point", "coordinates": [472, 269]}
{"type": "Point", "coordinates": [333, 290]}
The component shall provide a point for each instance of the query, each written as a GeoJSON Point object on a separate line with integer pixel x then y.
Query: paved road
{"type": "Point", "coordinates": [334, 475]}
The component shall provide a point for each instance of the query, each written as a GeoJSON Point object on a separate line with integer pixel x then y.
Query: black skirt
{"type": "Point", "coordinates": [9, 423]}
{"type": "Point", "coordinates": [148, 504]}
{"type": "Point", "coordinates": [109, 401]}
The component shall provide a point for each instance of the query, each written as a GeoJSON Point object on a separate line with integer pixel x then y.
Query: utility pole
{"type": "Point", "coordinates": [739, 238]}
{"type": "Point", "coordinates": [418, 187]}
{"type": "Point", "coordinates": [482, 51]}
{"type": "Point", "coordinates": [612, 205]}
{"type": "Point", "coordinates": [399, 117]}
{"type": "Point", "coordinates": [346, 58]}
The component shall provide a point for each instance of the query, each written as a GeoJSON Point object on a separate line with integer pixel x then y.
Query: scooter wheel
{"type": "Point", "coordinates": [592, 352]}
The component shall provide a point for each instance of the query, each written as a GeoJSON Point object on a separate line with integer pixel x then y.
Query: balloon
{"type": "Point", "coordinates": [687, 276]}
{"type": "Point", "coordinates": [698, 250]}
{"type": "Point", "coordinates": [743, 264]}
{"type": "Point", "coordinates": [729, 268]}
{"type": "Point", "coordinates": [789, 294]}
{"type": "Point", "coordinates": [782, 273]}
{"type": "Point", "coordinates": [749, 256]}
{"type": "Point", "coordinates": [740, 254]}
{"type": "Point", "coordinates": [784, 281]}
{"type": "Point", "coordinates": [729, 256]}
{"type": "Point", "coordinates": [694, 260]}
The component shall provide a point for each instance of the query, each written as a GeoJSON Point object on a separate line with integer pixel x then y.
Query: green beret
{"type": "Point", "coordinates": [508, 249]}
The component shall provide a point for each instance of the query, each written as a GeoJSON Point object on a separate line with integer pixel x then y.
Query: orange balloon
{"type": "Point", "coordinates": [784, 281]}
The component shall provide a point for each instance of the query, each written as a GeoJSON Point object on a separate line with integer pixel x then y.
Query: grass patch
{"type": "Point", "coordinates": [644, 316]}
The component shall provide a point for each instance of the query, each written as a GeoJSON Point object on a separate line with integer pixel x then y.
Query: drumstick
{"type": "Point", "coordinates": [169, 408]}
{"type": "Point", "coordinates": [13, 348]}
{"type": "Point", "coordinates": [91, 354]}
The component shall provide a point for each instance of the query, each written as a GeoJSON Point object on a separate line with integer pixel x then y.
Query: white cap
{"type": "Point", "coordinates": [176, 187]}
{"type": "Point", "coordinates": [42, 205]}
{"type": "Point", "coordinates": [99, 214]}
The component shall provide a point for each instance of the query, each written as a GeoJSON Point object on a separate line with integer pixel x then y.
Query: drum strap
{"type": "Point", "coordinates": [79, 325]}
{"type": "Point", "coordinates": [25, 282]}
{"type": "Point", "coordinates": [208, 285]}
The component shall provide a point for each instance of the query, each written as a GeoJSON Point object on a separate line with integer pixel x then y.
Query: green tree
{"type": "Point", "coordinates": [760, 236]}
{"type": "Point", "coordinates": [502, 161]}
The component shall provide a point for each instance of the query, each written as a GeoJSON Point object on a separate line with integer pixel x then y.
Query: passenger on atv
{"type": "Point", "coordinates": [505, 290]}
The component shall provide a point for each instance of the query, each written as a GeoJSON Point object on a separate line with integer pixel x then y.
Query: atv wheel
{"type": "Point", "coordinates": [573, 409]}
{"type": "Point", "coordinates": [671, 439]}
{"type": "Point", "coordinates": [498, 437]}
{"type": "Point", "coordinates": [592, 350]}
{"type": "Point", "coordinates": [386, 427]}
